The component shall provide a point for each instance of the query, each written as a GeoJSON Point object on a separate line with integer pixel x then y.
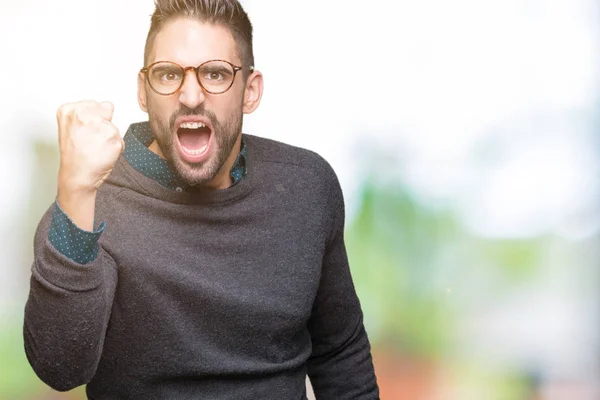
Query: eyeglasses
{"type": "Point", "coordinates": [214, 76]}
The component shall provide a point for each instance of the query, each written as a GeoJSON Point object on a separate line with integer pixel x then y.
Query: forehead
{"type": "Point", "coordinates": [191, 42]}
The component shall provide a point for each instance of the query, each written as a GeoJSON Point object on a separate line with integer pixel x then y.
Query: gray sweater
{"type": "Point", "coordinates": [229, 294]}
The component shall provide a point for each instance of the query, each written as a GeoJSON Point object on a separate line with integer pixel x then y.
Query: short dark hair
{"type": "Point", "coordinates": [227, 13]}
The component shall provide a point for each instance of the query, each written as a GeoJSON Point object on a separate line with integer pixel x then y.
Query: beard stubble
{"type": "Point", "coordinates": [224, 138]}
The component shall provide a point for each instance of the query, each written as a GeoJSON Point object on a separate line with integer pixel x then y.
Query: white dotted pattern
{"type": "Point", "coordinates": [71, 241]}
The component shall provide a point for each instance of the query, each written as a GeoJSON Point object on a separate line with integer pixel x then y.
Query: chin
{"type": "Point", "coordinates": [199, 174]}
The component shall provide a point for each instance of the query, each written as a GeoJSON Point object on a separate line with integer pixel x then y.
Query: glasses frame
{"type": "Point", "coordinates": [196, 70]}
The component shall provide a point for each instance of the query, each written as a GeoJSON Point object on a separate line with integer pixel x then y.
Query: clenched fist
{"type": "Point", "coordinates": [89, 148]}
{"type": "Point", "coordinates": [89, 144]}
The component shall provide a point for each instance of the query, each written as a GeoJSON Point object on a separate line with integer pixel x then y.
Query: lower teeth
{"type": "Point", "coordinates": [196, 152]}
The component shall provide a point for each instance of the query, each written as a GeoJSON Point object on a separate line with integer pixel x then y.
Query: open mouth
{"type": "Point", "coordinates": [194, 140]}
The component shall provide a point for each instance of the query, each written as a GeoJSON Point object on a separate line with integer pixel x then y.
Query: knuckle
{"type": "Point", "coordinates": [114, 134]}
{"type": "Point", "coordinates": [63, 110]}
{"type": "Point", "coordinates": [82, 117]}
{"type": "Point", "coordinates": [87, 103]}
{"type": "Point", "coordinates": [85, 106]}
{"type": "Point", "coordinates": [93, 118]}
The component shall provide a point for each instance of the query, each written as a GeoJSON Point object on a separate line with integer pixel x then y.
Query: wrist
{"type": "Point", "coordinates": [74, 185]}
{"type": "Point", "coordinates": [78, 203]}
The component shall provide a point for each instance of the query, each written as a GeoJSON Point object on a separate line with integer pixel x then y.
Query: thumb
{"type": "Point", "coordinates": [106, 110]}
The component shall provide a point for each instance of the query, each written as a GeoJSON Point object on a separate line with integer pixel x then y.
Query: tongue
{"type": "Point", "coordinates": [193, 139]}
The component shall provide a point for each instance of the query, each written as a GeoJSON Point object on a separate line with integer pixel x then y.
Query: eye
{"type": "Point", "coordinates": [214, 75]}
{"type": "Point", "coordinates": [170, 76]}
{"type": "Point", "coordinates": [166, 74]}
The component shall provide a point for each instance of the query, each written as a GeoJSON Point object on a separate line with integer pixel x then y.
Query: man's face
{"type": "Point", "coordinates": [200, 155]}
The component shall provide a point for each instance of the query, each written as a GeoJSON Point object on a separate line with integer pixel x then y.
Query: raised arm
{"type": "Point", "coordinates": [72, 279]}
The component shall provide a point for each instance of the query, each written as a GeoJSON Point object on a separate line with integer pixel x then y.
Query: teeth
{"type": "Point", "coordinates": [196, 152]}
{"type": "Point", "coordinates": [192, 125]}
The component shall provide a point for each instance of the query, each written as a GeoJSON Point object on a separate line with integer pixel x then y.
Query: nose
{"type": "Point", "coordinates": [191, 93]}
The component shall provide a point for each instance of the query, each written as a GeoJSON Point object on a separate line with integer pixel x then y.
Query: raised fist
{"type": "Point", "coordinates": [89, 145]}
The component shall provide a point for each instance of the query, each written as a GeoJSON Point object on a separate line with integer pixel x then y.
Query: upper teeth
{"type": "Point", "coordinates": [192, 125]}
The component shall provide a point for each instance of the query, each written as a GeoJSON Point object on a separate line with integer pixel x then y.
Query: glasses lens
{"type": "Point", "coordinates": [216, 76]}
{"type": "Point", "coordinates": [165, 77]}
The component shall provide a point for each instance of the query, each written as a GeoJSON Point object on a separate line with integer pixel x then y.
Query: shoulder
{"type": "Point", "coordinates": [309, 176]}
{"type": "Point", "coordinates": [274, 156]}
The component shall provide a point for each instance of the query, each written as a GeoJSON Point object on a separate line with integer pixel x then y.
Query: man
{"type": "Point", "coordinates": [188, 260]}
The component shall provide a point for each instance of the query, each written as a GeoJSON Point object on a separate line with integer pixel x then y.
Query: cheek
{"type": "Point", "coordinates": [227, 106]}
{"type": "Point", "coordinates": [161, 108]}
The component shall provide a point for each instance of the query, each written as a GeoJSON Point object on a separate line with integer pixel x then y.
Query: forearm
{"type": "Point", "coordinates": [341, 366]}
{"type": "Point", "coordinates": [344, 370]}
{"type": "Point", "coordinates": [78, 202]}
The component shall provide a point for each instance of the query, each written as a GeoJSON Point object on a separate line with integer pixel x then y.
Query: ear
{"type": "Point", "coordinates": [253, 92]}
{"type": "Point", "coordinates": [142, 99]}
